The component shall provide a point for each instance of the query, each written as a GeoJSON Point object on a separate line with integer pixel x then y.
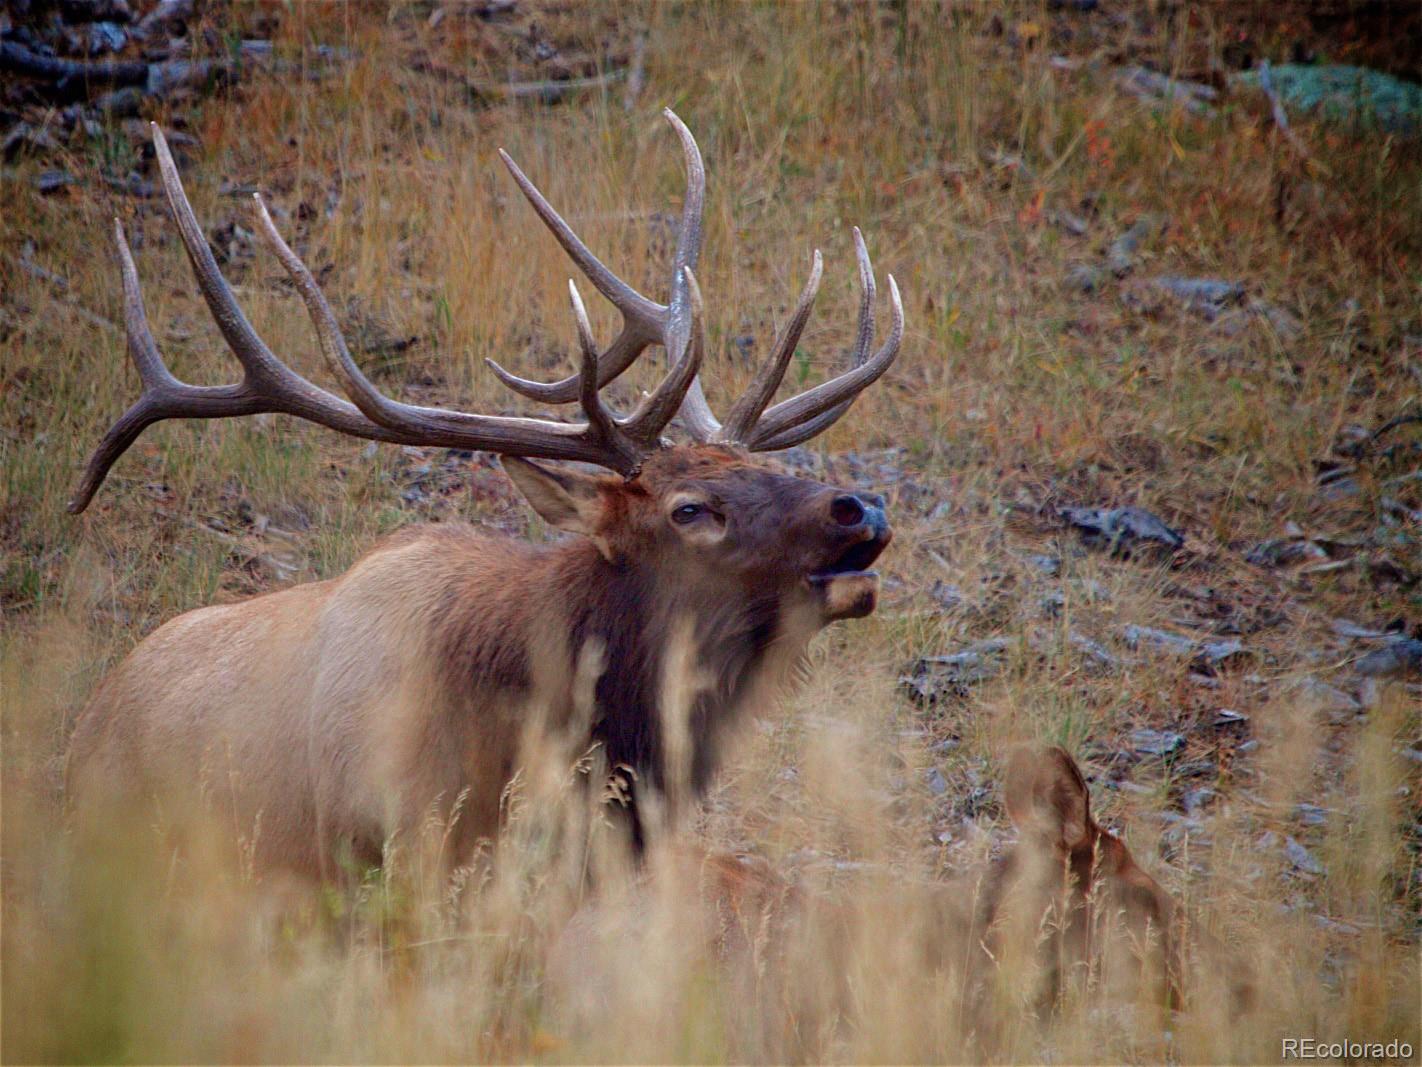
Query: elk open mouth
{"type": "Point", "coordinates": [847, 588]}
{"type": "Point", "coordinates": [856, 559]}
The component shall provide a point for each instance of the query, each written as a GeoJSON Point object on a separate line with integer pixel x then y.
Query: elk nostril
{"type": "Point", "coordinates": [847, 510]}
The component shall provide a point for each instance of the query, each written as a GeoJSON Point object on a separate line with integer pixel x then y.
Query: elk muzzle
{"type": "Point", "coordinates": [845, 585]}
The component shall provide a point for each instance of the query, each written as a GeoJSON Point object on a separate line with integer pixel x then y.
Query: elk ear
{"type": "Point", "coordinates": [567, 499]}
{"type": "Point", "coordinates": [1047, 796]}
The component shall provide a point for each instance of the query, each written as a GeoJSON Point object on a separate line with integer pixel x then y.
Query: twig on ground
{"type": "Point", "coordinates": [1281, 118]}
{"type": "Point", "coordinates": [551, 92]}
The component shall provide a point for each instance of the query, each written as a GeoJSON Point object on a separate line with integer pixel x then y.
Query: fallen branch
{"type": "Point", "coordinates": [18, 59]}
{"type": "Point", "coordinates": [1393, 423]}
{"type": "Point", "coordinates": [547, 92]}
{"type": "Point", "coordinates": [551, 92]}
{"type": "Point", "coordinates": [1160, 88]}
{"type": "Point", "coordinates": [155, 79]}
{"type": "Point", "coordinates": [128, 77]}
{"type": "Point", "coordinates": [487, 10]}
{"type": "Point", "coordinates": [1276, 105]}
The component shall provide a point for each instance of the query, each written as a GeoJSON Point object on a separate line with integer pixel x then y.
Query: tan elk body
{"type": "Point", "coordinates": [331, 716]}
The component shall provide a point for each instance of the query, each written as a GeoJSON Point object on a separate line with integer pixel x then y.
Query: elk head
{"type": "Point", "coordinates": [706, 516]}
{"type": "Point", "coordinates": [706, 509]}
{"type": "Point", "coordinates": [1076, 899]}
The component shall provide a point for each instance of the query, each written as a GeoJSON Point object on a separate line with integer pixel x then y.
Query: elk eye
{"type": "Point", "coordinates": [686, 513]}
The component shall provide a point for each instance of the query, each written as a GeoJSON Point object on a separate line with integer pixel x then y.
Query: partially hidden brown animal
{"type": "Point", "coordinates": [333, 715]}
{"type": "Point", "coordinates": [1064, 916]}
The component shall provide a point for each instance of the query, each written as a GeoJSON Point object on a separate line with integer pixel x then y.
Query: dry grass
{"type": "Point", "coordinates": [1013, 394]}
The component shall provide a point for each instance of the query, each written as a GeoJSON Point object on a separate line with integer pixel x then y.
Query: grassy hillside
{"type": "Point", "coordinates": [994, 160]}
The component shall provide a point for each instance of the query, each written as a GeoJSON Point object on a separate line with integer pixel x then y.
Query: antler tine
{"type": "Point", "coordinates": [653, 414]}
{"type": "Point", "coordinates": [688, 241]}
{"type": "Point", "coordinates": [256, 359]}
{"type": "Point", "coordinates": [162, 393]}
{"type": "Point", "coordinates": [270, 381]}
{"type": "Point", "coordinates": [372, 403]}
{"type": "Point", "coordinates": [622, 296]}
{"type": "Point", "coordinates": [596, 441]}
{"type": "Point", "coordinates": [767, 379]}
{"type": "Point", "coordinates": [787, 422]}
{"type": "Point", "coordinates": [599, 418]}
{"type": "Point", "coordinates": [642, 318]}
{"type": "Point", "coordinates": [267, 386]}
{"type": "Point", "coordinates": [645, 322]}
{"type": "Point", "coordinates": [863, 339]}
{"type": "Point", "coordinates": [695, 413]}
{"type": "Point", "coordinates": [630, 343]}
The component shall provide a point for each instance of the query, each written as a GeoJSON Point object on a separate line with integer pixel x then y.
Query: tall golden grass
{"type": "Point", "coordinates": [1013, 394]}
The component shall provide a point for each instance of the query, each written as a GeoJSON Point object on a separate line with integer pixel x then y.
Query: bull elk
{"type": "Point", "coordinates": [336, 713]}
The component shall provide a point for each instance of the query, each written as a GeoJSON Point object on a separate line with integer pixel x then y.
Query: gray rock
{"type": "Point", "coordinates": [1216, 653]}
{"type": "Point", "coordinates": [1198, 768]}
{"type": "Point", "coordinates": [24, 139]}
{"type": "Point", "coordinates": [1094, 651]}
{"type": "Point", "coordinates": [935, 678]}
{"type": "Point", "coordinates": [1340, 489]}
{"type": "Point", "coordinates": [1284, 551]}
{"type": "Point", "coordinates": [948, 597]}
{"type": "Point", "coordinates": [1121, 256]}
{"type": "Point", "coordinates": [1073, 224]}
{"type": "Point", "coordinates": [1197, 800]}
{"type": "Point", "coordinates": [1326, 697]}
{"type": "Point", "coordinates": [1206, 293]}
{"type": "Point", "coordinates": [101, 37]}
{"type": "Point", "coordinates": [1159, 743]}
{"type": "Point", "coordinates": [1203, 655]}
{"type": "Point", "coordinates": [1051, 566]}
{"type": "Point", "coordinates": [1122, 530]}
{"type": "Point", "coordinates": [1347, 628]}
{"type": "Point", "coordinates": [1333, 926]}
{"type": "Point", "coordinates": [1301, 858]}
{"type": "Point", "coordinates": [1283, 323]}
{"type": "Point", "coordinates": [1194, 97]}
{"type": "Point", "coordinates": [51, 181]}
{"type": "Point", "coordinates": [124, 102]}
{"type": "Point", "coordinates": [1146, 637]}
{"type": "Point", "coordinates": [1395, 659]}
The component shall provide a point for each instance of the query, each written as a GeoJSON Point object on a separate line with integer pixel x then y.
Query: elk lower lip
{"type": "Point", "coordinates": [846, 594]}
{"type": "Point", "coordinates": [822, 578]}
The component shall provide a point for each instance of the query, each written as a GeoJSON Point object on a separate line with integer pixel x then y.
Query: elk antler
{"type": "Point", "coordinates": [645, 322]}
{"type": "Point", "coordinates": [269, 385]}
